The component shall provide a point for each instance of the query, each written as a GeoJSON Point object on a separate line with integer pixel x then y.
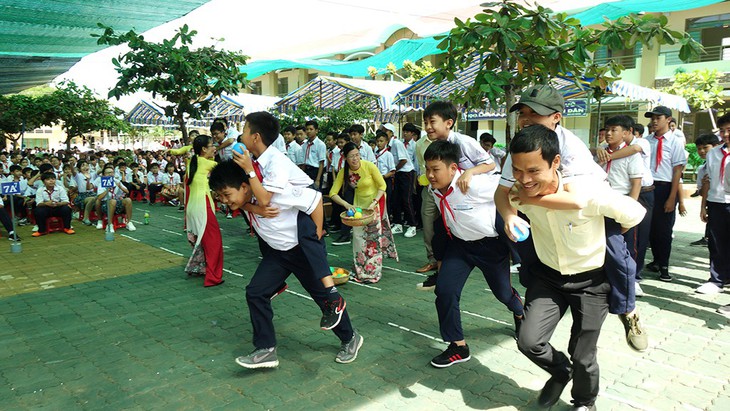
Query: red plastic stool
{"type": "Point", "coordinates": [136, 196]}
{"type": "Point", "coordinates": [54, 224]}
{"type": "Point", "coordinates": [120, 221]}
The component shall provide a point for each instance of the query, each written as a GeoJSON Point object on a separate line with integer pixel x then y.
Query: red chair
{"type": "Point", "coordinates": [136, 195]}
{"type": "Point", "coordinates": [120, 221]}
{"type": "Point", "coordinates": [54, 224]}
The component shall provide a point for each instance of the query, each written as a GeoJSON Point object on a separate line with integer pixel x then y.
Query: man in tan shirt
{"type": "Point", "coordinates": [571, 248]}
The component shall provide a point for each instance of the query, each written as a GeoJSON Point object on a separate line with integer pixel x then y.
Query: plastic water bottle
{"type": "Point", "coordinates": [146, 218]}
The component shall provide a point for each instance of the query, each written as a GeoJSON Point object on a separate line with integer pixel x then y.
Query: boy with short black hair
{"type": "Point", "coordinates": [356, 134]}
{"type": "Point", "coordinates": [282, 255]}
{"type": "Point", "coordinates": [51, 201]}
{"type": "Point", "coordinates": [716, 211]}
{"type": "Point", "coordinates": [469, 221]}
{"type": "Point", "coordinates": [401, 202]}
{"type": "Point", "coordinates": [315, 154]}
{"type": "Point", "coordinates": [487, 141]}
{"type": "Point", "coordinates": [704, 144]}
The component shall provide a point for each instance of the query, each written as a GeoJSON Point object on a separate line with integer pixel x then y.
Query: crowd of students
{"type": "Point", "coordinates": [591, 218]}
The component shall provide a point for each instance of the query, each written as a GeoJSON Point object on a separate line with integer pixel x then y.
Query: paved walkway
{"type": "Point", "coordinates": [87, 324]}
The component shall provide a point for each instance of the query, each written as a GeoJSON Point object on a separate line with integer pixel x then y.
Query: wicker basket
{"type": "Point", "coordinates": [342, 278]}
{"type": "Point", "coordinates": [367, 218]}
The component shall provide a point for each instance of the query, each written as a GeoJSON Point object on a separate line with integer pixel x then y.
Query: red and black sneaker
{"type": "Point", "coordinates": [453, 355]}
{"type": "Point", "coordinates": [332, 314]}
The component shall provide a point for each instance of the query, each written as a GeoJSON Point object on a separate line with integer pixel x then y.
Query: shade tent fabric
{"type": "Point", "coordinates": [639, 93]}
{"type": "Point", "coordinates": [233, 108]}
{"type": "Point", "coordinates": [40, 40]}
{"type": "Point", "coordinates": [404, 49]}
{"type": "Point", "coordinates": [616, 9]}
{"type": "Point", "coordinates": [331, 92]}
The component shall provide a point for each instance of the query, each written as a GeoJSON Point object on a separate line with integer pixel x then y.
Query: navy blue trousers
{"type": "Point", "coordinates": [662, 225]}
{"type": "Point", "coordinates": [640, 237]}
{"type": "Point", "coordinates": [718, 222]}
{"type": "Point", "coordinates": [273, 270]}
{"type": "Point", "coordinates": [315, 249]}
{"type": "Point", "coordinates": [491, 256]}
{"type": "Point", "coordinates": [402, 204]}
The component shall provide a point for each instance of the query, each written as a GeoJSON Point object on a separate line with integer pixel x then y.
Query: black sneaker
{"type": "Point", "coordinates": [453, 355]}
{"type": "Point", "coordinates": [429, 284]}
{"type": "Point", "coordinates": [332, 314]}
{"type": "Point", "coordinates": [664, 274]}
{"type": "Point", "coordinates": [702, 242]}
{"type": "Point", "coordinates": [652, 266]}
{"type": "Point", "coordinates": [343, 240]}
{"type": "Point", "coordinates": [13, 237]}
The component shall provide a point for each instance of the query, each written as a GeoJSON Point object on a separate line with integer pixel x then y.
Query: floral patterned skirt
{"type": "Point", "coordinates": [196, 263]}
{"type": "Point", "coordinates": [369, 244]}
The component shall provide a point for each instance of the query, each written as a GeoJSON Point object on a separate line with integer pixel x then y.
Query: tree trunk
{"type": "Point", "coordinates": [183, 128]}
{"type": "Point", "coordinates": [510, 98]}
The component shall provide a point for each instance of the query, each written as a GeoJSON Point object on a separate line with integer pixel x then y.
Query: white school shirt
{"type": "Point", "coordinates": [672, 155]}
{"type": "Point", "coordinates": [386, 164]}
{"type": "Point", "coordinates": [293, 151]}
{"type": "Point", "coordinates": [701, 173]}
{"type": "Point", "coordinates": [366, 153]}
{"type": "Point", "coordinates": [399, 151]}
{"type": "Point", "coordinates": [647, 179]}
{"type": "Point", "coordinates": [279, 144]}
{"type": "Point", "coordinates": [170, 180]}
{"type": "Point", "coordinates": [337, 160]}
{"type": "Point", "coordinates": [140, 176]}
{"type": "Point", "coordinates": [226, 153]}
{"type": "Point", "coordinates": [575, 160]}
{"type": "Point", "coordinates": [58, 194]}
{"type": "Point", "coordinates": [278, 172]}
{"type": "Point", "coordinates": [469, 216]}
{"type": "Point", "coordinates": [472, 153]}
{"type": "Point", "coordinates": [280, 232]}
{"type": "Point", "coordinates": [621, 170]}
{"type": "Point", "coordinates": [127, 175]}
{"type": "Point", "coordinates": [314, 152]}
{"type": "Point", "coordinates": [497, 155]}
{"type": "Point", "coordinates": [115, 192]}
{"type": "Point", "coordinates": [154, 178]}
{"type": "Point", "coordinates": [717, 193]}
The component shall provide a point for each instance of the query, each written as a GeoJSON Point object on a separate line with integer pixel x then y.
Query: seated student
{"type": "Point", "coordinates": [569, 272]}
{"type": "Point", "coordinates": [138, 180]}
{"type": "Point", "coordinates": [172, 189]}
{"type": "Point", "coordinates": [469, 221]}
{"type": "Point", "coordinates": [30, 192]}
{"type": "Point", "coordinates": [16, 175]}
{"type": "Point", "coordinates": [386, 165]}
{"type": "Point", "coordinates": [69, 182]}
{"type": "Point", "coordinates": [51, 201]}
{"type": "Point", "coordinates": [122, 173]}
{"type": "Point", "coordinates": [7, 222]}
{"type": "Point", "coordinates": [111, 201]}
{"type": "Point", "coordinates": [86, 199]}
{"type": "Point", "coordinates": [282, 255]}
{"type": "Point", "coordinates": [154, 182]}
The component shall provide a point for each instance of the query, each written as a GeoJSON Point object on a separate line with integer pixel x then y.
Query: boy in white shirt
{"type": "Point", "coordinates": [401, 203]}
{"type": "Point", "coordinates": [111, 201]}
{"type": "Point", "coordinates": [51, 201]}
{"type": "Point", "coordinates": [282, 254]}
{"type": "Point", "coordinates": [704, 143]}
{"type": "Point", "coordinates": [386, 165]}
{"type": "Point", "coordinates": [468, 218]}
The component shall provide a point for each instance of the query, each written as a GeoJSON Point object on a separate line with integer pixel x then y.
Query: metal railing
{"type": "Point", "coordinates": [714, 53]}
{"type": "Point", "coordinates": [628, 61]}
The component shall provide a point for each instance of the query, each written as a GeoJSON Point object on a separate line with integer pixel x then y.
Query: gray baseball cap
{"type": "Point", "coordinates": [543, 99]}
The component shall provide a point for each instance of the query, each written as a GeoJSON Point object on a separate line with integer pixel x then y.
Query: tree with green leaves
{"type": "Point", "coordinates": [19, 113]}
{"type": "Point", "coordinates": [329, 119]}
{"type": "Point", "coordinates": [414, 71]}
{"type": "Point", "coordinates": [187, 78]}
{"type": "Point", "coordinates": [79, 111]}
{"type": "Point", "coordinates": [517, 46]}
{"type": "Point", "coordinates": [701, 88]}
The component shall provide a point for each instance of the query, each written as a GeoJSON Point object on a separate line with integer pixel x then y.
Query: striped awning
{"type": "Point", "coordinates": [147, 113]}
{"type": "Point", "coordinates": [658, 98]}
{"type": "Point", "coordinates": [331, 92]}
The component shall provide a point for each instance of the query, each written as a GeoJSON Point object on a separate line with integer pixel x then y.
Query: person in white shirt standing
{"type": "Point", "coordinates": [225, 137]}
{"type": "Point", "coordinates": [403, 212]}
{"type": "Point", "coordinates": [315, 154]}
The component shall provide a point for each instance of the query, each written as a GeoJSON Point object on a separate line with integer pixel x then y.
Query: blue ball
{"type": "Point", "coordinates": [521, 235]}
{"type": "Point", "coordinates": [350, 213]}
{"type": "Point", "coordinates": [239, 147]}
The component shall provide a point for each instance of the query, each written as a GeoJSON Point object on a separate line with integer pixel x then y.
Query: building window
{"type": "Point", "coordinates": [283, 86]}
{"type": "Point", "coordinates": [35, 142]}
{"type": "Point", "coordinates": [714, 34]}
{"type": "Point", "coordinates": [255, 87]}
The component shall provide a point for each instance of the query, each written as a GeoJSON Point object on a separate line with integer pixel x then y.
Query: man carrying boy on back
{"type": "Point", "coordinates": [282, 255]}
{"type": "Point", "coordinates": [569, 273]}
{"type": "Point", "coordinates": [469, 222]}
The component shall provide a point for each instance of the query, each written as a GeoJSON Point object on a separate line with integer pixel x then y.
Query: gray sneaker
{"type": "Point", "coordinates": [260, 358]}
{"type": "Point", "coordinates": [635, 334]}
{"type": "Point", "coordinates": [348, 351]}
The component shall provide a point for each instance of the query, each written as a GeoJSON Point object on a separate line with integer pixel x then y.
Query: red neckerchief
{"type": "Point", "coordinates": [50, 193]}
{"type": "Point", "coordinates": [309, 146]}
{"type": "Point", "coordinates": [659, 149]}
{"type": "Point", "coordinates": [610, 151]}
{"type": "Point", "coordinates": [257, 170]}
{"type": "Point", "coordinates": [380, 153]}
{"type": "Point", "coordinates": [445, 206]}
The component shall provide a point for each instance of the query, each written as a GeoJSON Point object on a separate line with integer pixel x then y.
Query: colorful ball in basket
{"type": "Point", "coordinates": [239, 148]}
{"type": "Point", "coordinates": [358, 214]}
{"type": "Point", "coordinates": [350, 213]}
{"type": "Point", "coordinates": [365, 218]}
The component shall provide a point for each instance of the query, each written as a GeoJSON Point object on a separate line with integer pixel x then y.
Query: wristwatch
{"type": "Point", "coordinates": [252, 174]}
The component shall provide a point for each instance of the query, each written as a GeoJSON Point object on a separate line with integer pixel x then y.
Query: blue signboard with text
{"type": "Point", "coordinates": [576, 108]}
{"type": "Point", "coordinates": [10, 188]}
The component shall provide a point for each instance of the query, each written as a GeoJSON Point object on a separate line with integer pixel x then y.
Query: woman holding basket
{"type": "Point", "coordinates": [359, 184]}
